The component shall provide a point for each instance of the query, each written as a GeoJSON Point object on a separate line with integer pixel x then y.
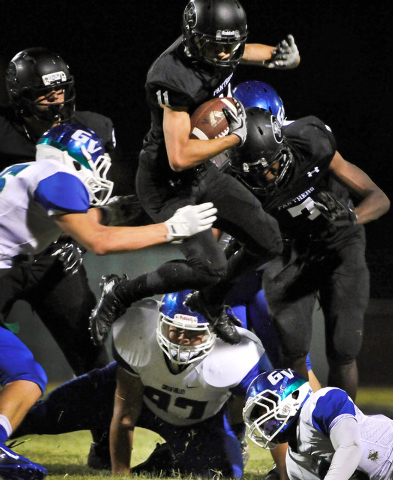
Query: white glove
{"type": "Point", "coordinates": [190, 220]}
{"type": "Point", "coordinates": [286, 54]}
{"type": "Point", "coordinates": [237, 123]}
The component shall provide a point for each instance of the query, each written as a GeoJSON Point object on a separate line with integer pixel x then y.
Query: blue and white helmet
{"type": "Point", "coordinates": [260, 94]}
{"type": "Point", "coordinates": [81, 149]}
{"type": "Point", "coordinates": [173, 313]}
{"type": "Point", "coordinates": [273, 403]}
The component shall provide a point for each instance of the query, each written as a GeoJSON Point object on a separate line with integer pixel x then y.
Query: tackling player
{"type": "Point", "coordinates": [39, 201]}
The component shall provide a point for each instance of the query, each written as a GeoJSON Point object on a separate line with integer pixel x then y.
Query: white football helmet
{"type": "Point", "coordinates": [273, 403]}
{"type": "Point", "coordinates": [173, 313]}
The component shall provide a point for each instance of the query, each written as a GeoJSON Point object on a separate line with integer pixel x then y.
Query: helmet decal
{"type": "Point", "coordinates": [190, 15]}
{"type": "Point", "coordinates": [273, 404]}
{"type": "Point", "coordinates": [81, 149]}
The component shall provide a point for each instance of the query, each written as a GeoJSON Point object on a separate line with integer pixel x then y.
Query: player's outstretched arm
{"type": "Point", "coordinates": [283, 56]}
{"type": "Point", "coordinates": [103, 240]}
{"type": "Point", "coordinates": [374, 202]}
{"type": "Point", "coordinates": [126, 411]}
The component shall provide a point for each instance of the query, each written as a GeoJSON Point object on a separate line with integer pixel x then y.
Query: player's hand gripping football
{"type": "Point", "coordinates": [237, 123]}
{"type": "Point", "coordinates": [71, 256]}
{"type": "Point", "coordinates": [335, 211]}
{"type": "Point", "coordinates": [285, 55]}
{"type": "Point", "coordinates": [190, 220]}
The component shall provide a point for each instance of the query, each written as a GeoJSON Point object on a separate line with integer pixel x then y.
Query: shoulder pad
{"type": "Point", "coordinates": [134, 333]}
{"type": "Point", "coordinates": [227, 365]}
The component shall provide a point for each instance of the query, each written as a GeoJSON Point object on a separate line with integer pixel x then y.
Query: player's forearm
{"type": "Point", "coordinates": [109, 240]}
{"type": "Point", "coordinates": [372, 207]}
{"type": "Point", "coordinates": [196, 152]}
{"type": "Point", "coordinates": [257, 54]}
{"type": "Point", "coordinates": [346, 441]}
{"type": "Point", "coordinates": [121, 441]}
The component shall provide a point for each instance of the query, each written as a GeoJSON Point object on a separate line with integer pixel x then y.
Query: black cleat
{"type": "Point", "coordinates": [218, 317]}
{"type": "Point", "coordinates": [16, 467]}
{"type": "Point", "coordinates": [108, 309]}
{"type": "Point", "coordinates": [99, 457]}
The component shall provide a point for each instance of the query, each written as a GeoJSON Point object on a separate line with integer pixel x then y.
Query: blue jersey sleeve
{"type": "Point", "coordinates": [63, 192]}
{"type": "Point", "coordinates": [335, 403]}
{"type": "Point", "coordinates": [263, 365]}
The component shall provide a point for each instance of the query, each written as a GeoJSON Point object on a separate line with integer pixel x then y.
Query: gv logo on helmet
{"type": "Point", "coordinates": [275, 376]}
{"type": "Point", "coordinates": [85, 138]}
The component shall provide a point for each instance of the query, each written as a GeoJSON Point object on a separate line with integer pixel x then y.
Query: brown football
{"type": "Point", "coordinates": [208, 121]}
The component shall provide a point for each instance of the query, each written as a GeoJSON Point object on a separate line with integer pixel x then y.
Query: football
{"type": "Point", "coordinates": [208, 121]}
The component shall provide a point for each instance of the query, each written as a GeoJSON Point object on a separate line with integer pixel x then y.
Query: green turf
{"type": "Point", "coordinates": [66, 455]}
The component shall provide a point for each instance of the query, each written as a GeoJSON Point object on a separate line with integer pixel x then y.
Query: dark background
{"type": "Point", "coordinates": [345, 76]}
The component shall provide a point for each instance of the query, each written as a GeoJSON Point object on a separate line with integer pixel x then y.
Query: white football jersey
{"type": "Point", "coordinates": [30, 193]}
{"type": "Point", "coordinates": [201, 389]}
{"type": "Point", "coordinates": [320, 413]}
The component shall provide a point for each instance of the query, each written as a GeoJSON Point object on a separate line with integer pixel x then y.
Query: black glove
{"type": "Point", "coordinates": [237, 123]}
{"type": "Point", "coordinates": [335, 211]}
{"type": "Point", "coordinates": [71, 256]}
{"type": "Point", "coordinates": [121, 210]}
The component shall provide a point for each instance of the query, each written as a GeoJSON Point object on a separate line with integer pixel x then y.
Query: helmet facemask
{"type": "Point", "coordinates": [273, 405]}
{"type": "Point", "coordinates": [52, 112]}
{"type": "Point", "coordinates": [255, 175]}
{"type": "Point", "coordinates": [188, 326]}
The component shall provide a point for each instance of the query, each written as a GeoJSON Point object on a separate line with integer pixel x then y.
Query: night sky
{"type": "Point", "coordinates": [345, 76]}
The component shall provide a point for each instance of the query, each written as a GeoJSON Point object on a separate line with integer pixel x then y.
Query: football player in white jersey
{"type": "Point", "coordinates": [174, 377]}
{"type": "Point", "coordinates": [43, 199]}
{"type": "Point", "coordinates": [39, 201]}
{"type": "Point", "coordinates": [329, 437]}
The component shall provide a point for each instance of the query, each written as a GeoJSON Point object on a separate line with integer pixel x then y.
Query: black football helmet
{"type": "Point", "coordinates": [34, 72]}
{"type": "Point", "coordinates": [214, 26]}
{"type": "Point", "coordinates": [265, 151]}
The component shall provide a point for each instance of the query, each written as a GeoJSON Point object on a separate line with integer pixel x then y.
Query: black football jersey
{"type": "Point", "coordinates": [17, 146]}
{"type": "Point", "coordinates": [176, 80]}
{"type": "Point", "coordinates": [313, 146]}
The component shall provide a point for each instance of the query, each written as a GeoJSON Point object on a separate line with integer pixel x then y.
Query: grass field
{"type": "Point", "coordinates": [65, 455]}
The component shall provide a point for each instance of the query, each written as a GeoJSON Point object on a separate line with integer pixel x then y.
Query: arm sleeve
{"type": "Point", "coordinates": [345, 438]}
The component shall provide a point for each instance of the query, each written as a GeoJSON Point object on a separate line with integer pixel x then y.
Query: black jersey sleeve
{"type": "Point", "coordinates": [101, 125]}
{"type": "Point", "coordinates": [311, 137]}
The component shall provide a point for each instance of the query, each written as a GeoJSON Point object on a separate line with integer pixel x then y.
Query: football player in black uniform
{"type": "Point", "coordinates": [41, 93]}
{"type": "Point", "coordinates": [174, 170]}
{"type": "Point", "coordinates": [304, 182]}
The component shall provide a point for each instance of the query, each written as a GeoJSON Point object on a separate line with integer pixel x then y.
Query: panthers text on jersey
{"type": "Point", "coordinates": [196, 393]}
